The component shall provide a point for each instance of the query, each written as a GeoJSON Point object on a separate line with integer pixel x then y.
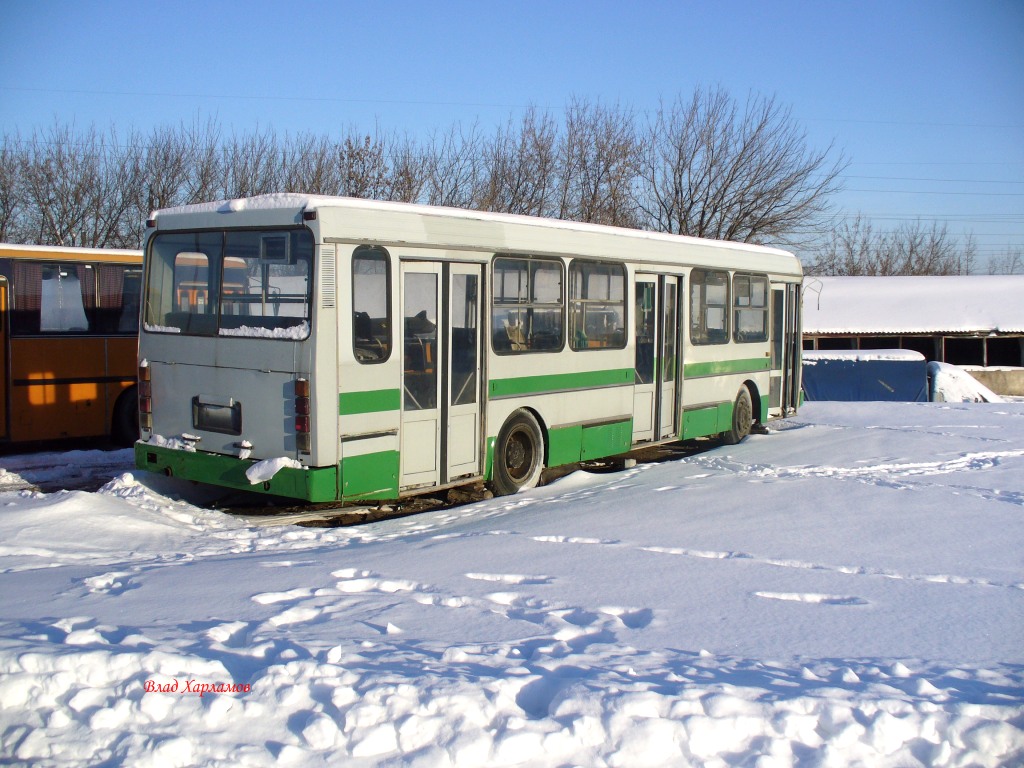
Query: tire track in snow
{"type": "Point", "coordinates": [849, 570]}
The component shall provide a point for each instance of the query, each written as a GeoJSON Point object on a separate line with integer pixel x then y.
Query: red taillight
{"type": "Point", "coordinates": [145, 397]}
{"type": "Point", "coordinates": [303, 412]}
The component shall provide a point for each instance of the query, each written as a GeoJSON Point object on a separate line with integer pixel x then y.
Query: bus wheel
{"type": "Point", "coordinates": [518, 454]}
{"type": "Point", "coordinates": [742, 417]}
{"type": "Point", "coordinates": [125, 427]}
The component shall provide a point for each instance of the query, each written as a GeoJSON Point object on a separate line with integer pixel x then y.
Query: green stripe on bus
{"type": "Point", "coordinates": [560, 382]}
{"type": "Point", "coordinates": [706, 421]}
{"type": "Point", "coordinates": [314, 484]}
{"type": "Point", "coordinates": [723, 367]}
{"type": "Point", "coordinates": [567, 445]}
{"type": "Point", "coordinates": [371, 476]}
{"type": "Point", "coordinates": [374, 401]}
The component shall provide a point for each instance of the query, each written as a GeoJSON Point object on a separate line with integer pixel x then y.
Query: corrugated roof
{"type": "Point", "coordinates": [971, 304]}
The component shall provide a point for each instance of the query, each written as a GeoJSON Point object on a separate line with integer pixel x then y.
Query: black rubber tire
{"type": "Point", "coordinates": [124, 428]}
{"type": "Point", "coordinates": [518, 455]}
{"type": "Point", "coordinates": [742, 418]}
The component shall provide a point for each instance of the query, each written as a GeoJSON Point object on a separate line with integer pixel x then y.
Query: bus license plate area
{"type": "Point", "coordinates": [225, 418]}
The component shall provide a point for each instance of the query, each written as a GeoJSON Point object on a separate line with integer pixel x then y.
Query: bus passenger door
{"type": "Point", "coordinates": [784, 374]}
{"type": "Point", "coordinates": [656, 371]}
{"type": "Point", "coordinates": [440, 439]}
{"type": "Point", "coordinates": [421, 380]}
{"type": "Point", "coordinates": [645, 371]}
{"type": "Point", "coordinates": [4, 372]}
{"type": "Point", "coordinates": [461, 440]}
{"type": "Point", "coordinates": [669, 316]}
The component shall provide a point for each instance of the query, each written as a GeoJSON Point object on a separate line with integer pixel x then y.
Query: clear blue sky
{"type": "Point", "coordinates": [925, 98]}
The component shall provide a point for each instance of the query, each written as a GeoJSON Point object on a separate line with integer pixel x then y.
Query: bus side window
{"type": "Point", "coordinates": [371, 305]}
{"type": "Point", "coordinates": [528, 306]}
{"type": "Point", "coordinates": [709, 303]}
{"type": "Point", "coordinates": [117, 302]}
{"type": "Point", "coordinates": [750, 309]}
{"type": "Point", "coordinates": [51, 298]}
{"type": "Point", "coordinates": [597, 305]}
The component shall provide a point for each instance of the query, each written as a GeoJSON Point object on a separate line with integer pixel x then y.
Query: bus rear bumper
{"type": "Point", "coordinates": [313, 484]}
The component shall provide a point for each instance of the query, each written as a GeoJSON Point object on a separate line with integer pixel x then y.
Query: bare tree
{"type": "Point", "coordinates": [703, 167]}
{"type": "Point", "coordinates": [452, 166]}
{"type": "Point", "coordinates": [712, 169]}
{"type": "Point", "coordinates": [407, 171]}
{"type": "Point", "coordinates": [363, 167]}
{"type": "Point", "coordinates": [597, 162]}
{"type": "Point", "coordinates": [856, 248]}
{"type": "Point", "coordinates": [203, 143]}
{"type": "Point", "coordinates": [61, 176]}
{"type": "Point", "coordinates": [308, 164]}
{"type": "Point", "coordinates": [1009, 263]}
{"type": "Point", "coordinates": [519, 167]}
{"type": "Point", "coordinates": [10, 189]}
{"type": "Point", "coordinates": [250, 165]}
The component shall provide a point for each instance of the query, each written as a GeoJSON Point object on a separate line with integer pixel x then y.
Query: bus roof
{"type": "Point", "coordinates": [501, 232]}
{"type": "Point", "coordinates": [56, 252]}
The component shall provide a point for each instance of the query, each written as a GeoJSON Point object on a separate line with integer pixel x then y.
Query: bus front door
{"type": "Point", "coordinates": [441, 413]}
{"type": "Point", "coordinates": [656, 371]}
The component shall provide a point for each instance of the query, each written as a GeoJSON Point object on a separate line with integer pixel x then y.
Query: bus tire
{"type": "Point", "coordinates": [124, 429]}
{"type": "Point", "coordinates": [518, 454]}
{"type": "Point", "coordinates": [742, 418]}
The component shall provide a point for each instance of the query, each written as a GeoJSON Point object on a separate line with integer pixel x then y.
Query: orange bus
{"type": "Point", "coordinates": [69, 321]}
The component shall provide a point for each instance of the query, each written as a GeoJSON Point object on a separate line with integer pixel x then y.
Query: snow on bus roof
{"type": "Point", "coordinates": [967, 304]}
{"type": "Point", "coordinates": [810, 357]}
{"type": "Point", "coordinates": [299, 202]}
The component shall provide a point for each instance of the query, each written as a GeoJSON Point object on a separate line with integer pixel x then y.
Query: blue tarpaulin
{"type": "Point", "coordinates": [896, 374]}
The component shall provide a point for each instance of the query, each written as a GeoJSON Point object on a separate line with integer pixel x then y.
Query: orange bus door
{"type": "Point", "coordinates": [5, 373]}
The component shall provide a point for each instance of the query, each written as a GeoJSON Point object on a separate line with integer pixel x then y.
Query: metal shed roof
{"type": "Point", "coordinates": [889, 305]}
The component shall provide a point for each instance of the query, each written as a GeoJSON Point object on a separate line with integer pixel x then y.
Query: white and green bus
{"type": "Point", "coordinates": [334, 349]}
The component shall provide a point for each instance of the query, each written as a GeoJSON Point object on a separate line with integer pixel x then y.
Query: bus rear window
{"type": "Point", "coordinates": [244, 283]}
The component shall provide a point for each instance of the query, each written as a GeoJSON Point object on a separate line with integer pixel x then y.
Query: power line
{"type": "Point", "coordinates": [931, 192]}
{"type": "Point", "coordinates": [251, 97]}
{"type": "Point", "coordinates": [909, 123]}
{"type": "Point", "coordinates": [950, 181]}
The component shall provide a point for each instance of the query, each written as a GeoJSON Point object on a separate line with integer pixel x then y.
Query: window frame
{"type": "Point", "coordinates": [389, 325]}
{"type": "Point", "coordinates": [103, 317]}
{"type": "Point", "coordinates": [530, 304]}
{"type": "Point", "coordinates": [698, 315]}
{"type": "Point", "coordinates": [216, 246]}
{"type": "Point", "coordinates": [577, 271]}
{"type": "Point", "coordinates": [737, 309]}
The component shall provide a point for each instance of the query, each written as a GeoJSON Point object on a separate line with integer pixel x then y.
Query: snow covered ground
{"type": "Point", "coordinates": [847, 590]}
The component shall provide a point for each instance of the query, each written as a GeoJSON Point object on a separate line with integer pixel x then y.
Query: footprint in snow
{"type": "Point", "coordinates": [112, 583]}
{"type": "Point", "coordinates": [509, 578]}
{"type": "Point", "coordinates": [813, 598]}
